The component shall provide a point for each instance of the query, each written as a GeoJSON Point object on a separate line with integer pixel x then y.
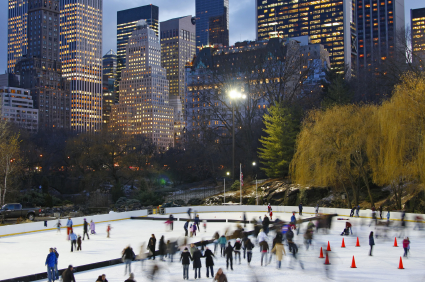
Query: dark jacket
{"type": "Point", "coordinates": [99, 279]}
{"type": "Point", "coordinates": [371, 241]}
{"type": "Point", "coordinates": [237, 246]}
{"type": "Point", "coordinates": [185, 257]}
{"type": "Point", "coordinates": [248, 245]}
{"type": "Point", "coordinates": [197, 259]}
{"type": "Point", "coordinates": [266, 222]}
{"type": "Point", "coordinates": [51, 259]}
{"type": "Point", "coordinates": [209, 258]}
{"type": "Point", "coordinates": [162, 246]}
{"type": "Point", "coordinates": [186, 225]}
{"type": "Point", "coordinates": [171, 217]}
{"type": "Point", "coordinates": [128, 253]}
{"type": "Point", "coordinates": [229, 251]}
{"type": "Point", "coordinates": [152, 244]}
{"type": "Point", "coordinates": [130, 280]}
{"type": "Point", "coordinates": [68, 276]}
{"type": "Point", "coordinates": [196, 220]}
{"type": "Point", "coordinates": [289, 234]}
{"type": "Point", "coordinates": [86, 225]}
{"type": "Point", "coordinates": [264, 246]}
{"type": "Point", "coordinates": [57, 256]}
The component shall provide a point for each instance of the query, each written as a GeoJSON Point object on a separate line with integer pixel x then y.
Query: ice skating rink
{"type": "Point", "coordinates": [26, 254]}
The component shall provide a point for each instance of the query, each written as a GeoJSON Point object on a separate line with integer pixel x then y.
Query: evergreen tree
{"type": "Point", "coordinates": [336, 90]}
{"type": "Point", "coordinates": [281, 127]}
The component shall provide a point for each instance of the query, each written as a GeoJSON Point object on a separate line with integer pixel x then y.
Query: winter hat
{"type": "Point", "coordinates": [84, 219]}
{"type": "Point", "coordinates": [131, 275]}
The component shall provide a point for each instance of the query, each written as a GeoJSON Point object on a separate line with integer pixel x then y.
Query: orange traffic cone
{"type": "Point", "coordinates": [353, 263]}
{"type": "Point", "coordinates": [395, 242]}
{"type": "Point", "coordinates": [343, 243]}
{"type": "Point", "coordinates": [321, 253]}
{"type": "Point", "coordinates": [400, 265]}
{"type": "Point", "coordinates": [358, 243]}
{"type": "Point", "coordinates": [329, 247]}
{"type": "Point", "coordinates": [327, 259]}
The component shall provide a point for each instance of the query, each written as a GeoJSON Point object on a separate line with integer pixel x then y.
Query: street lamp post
{"type": "Point", "coordinates": [256, 195]}
{"type": "Point", "coordinates": [234, 95]}
{"type": "Point", "coordinates": [224, 195]}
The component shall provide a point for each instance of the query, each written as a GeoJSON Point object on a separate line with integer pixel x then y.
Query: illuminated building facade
{"type": "Point", "coordinates": [110, 97]}
{"type": "Point", "coordinates": [379, 22]}
{"type": "Point", "coordinates": [417, 17]}
{"type": "Point", "coordinates": [327, 22]}
{"type": "Point", "coordinates": [218, 32]}
{"type": "Point", "coordinates": [143, 107]}
{"type": "Point", "coordinates": [205, 10]}
{"type": "Point", "coordinates": [40, 69]}
{"type": "Point", "coordinates": [126, 24]}
{"type": "Point", "coordinates": [81, 56]}
{"type": "Point", "coordinates": [16, 32]}
{"type": "Point", "coordinates": [178, 47]}
{"type": "Point", "coordinates": [16, 106]}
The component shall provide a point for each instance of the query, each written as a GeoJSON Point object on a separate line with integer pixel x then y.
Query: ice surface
{"type": "Point", "coordinates": [25, 254]}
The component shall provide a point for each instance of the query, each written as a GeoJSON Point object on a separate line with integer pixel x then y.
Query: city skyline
{"type": "Point", "coordinates": [242, 19]}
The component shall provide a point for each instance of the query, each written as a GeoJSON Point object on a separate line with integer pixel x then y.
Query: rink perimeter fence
{"type": "Point", "coordinates": [26, 228]}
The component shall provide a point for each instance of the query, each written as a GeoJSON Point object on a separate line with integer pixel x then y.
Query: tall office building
{"type": "Point", "coordinates": [144, 103]}
{"type": "Point", "coordinates": [211, 9]}
{"type": "Point", "coordinates": [81, 56]}
{"type": "Point", "coordinates": [126, 24]}
{"type": "Point", "coordinates": [109, 85]}
{"type": "Point", "coordinates": [178, 47]}
{"type": "Point", "coordinates": [16, 32]}
{"type": "Point", "coordinates": [327, 22]}
{"type": "Point", "coordinates": [417, 17]}
{"type": "Point", "coordinates": [40, 69]}
{"type": "Point", "coordinates": [379, 23]}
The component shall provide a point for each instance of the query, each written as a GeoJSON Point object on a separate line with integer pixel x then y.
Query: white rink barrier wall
{"type": "Point", "coordinates": [289, 209]}
{"type": "Point", "coordinates": [18, 229]}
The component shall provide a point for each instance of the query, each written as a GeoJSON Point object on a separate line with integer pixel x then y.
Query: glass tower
{"type": "Point", "coordinates": [109, 84]}
{"type": "Point", "coordinates": [81, 56]}
{"type": "Point", "coordinates": [328, 22]}
{"type": "Point", "coordinates": [41, 69]}
{"type": "Point", "coordinates": [379, 22]}
{"type": "Point", "coordinates": [16, 32]}
{"type": "Point", "coordinates": [206, 9]}
{"type": "Point", "coordinates": [417, 17]}
{"type": "Point", "coordinates": [126, 24]}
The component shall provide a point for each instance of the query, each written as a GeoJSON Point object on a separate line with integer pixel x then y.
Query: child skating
{"type": "Point", "coordinates": [108, 230]}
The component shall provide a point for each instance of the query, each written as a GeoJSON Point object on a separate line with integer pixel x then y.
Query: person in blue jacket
{"type": "Point", "coordinates": [73, 238]}
{"type": "Point", "coordinates": [50, 263]}
{"type": "Point", "coordinates": [186, 226]}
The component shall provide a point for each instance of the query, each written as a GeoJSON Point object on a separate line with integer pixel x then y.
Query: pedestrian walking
{"type": "Point", "coordinates": [406, 246]}
{"type": "Point", "coordinates": [222, 241]}
{"type": "Point", "coordinates": [68, 227]}
{"type": "Point", "coordinates": [185, 258]}
{"type": "Point", "coordinates": [237, 248]}
{"type": "Point", "coordinates": [197, 264]}
{"type": "Point", "coordinates": [220, 276]}
{"type": "Point", "coordinates": [151, 246]}
{"type": "Point", "coordinates": [371, 242]}
{"type": "Point", "coordinates": [249, 246]}
{"type": "Point", "coordinates": [186, 227]}
{"type": "Point", "coordinates": [229, 256]}
{"type": "Point", "coordinates": [79, 243]}
{"type": "Point", "coordinates": [50, 264]}
{"type": "Point", "coordinates": [264, 247]}
{"type": "Point", "coordinates": [300, 208]}
{"type": "Point", "coordinates": [86, 227]}
{"type": "Point", "coordinates": [127, 257]}
{"type": "Point", "coordinates": [68, 275]}
{"type": "Point", "coordinates": [209, 262]}
{"type": "Point", "coordinates": [73, 239]}
{"type": "Point", "coordinates": [280, 251]}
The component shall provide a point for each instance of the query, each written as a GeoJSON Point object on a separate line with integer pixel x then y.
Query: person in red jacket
{"type": "Point", "coordinates": [406, 246]}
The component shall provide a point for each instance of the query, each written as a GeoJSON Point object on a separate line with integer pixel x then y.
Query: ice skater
{"type": "Point", "coordinates": [73, 239]}
{"type": "Point", "coordinates": [371, 242]}
{"type": "Point", "coordinates": [209, 262]}
{"type": "Point", "coordinates": [204, 222]}
{"type": "Point", "coordinates": [237, 248]}
{"type": "Point", "coordinates": [79, 243]}
{"type": "Point", "coordinates": [293, 248]}
{"type": "Point", "coordinates": [142, 255]}
{"type": "Point", "coordinates": [406, 246]}
{"type": "Point", "coordinates": [220, 276]}
{"type": "Point", "coordinates": [185, 258]}
{"type": "Point", "coordinates": [300, 208]}
{"type": "Point", "coordinates": [108, 230]}
{"type": "Point", "coordinates": [358, 211]}
{"type": "Point", "coordinates": [189, 211]}
{"type": "Point", "coordinates": [92, 227]}
{"type": "Point", "coordinates": [222, 241]}
{"type": "Point", "coordinates": [229, 256]}
{"type": "Point", "coordinates": [50, 264]}
{"type": "Point", "coordinates": [86, 227]}
{"type": "Point", "coordinates": [197, 264]}
{"type": "Point", "coordinates": [151, 246]}
{"type": "Point", "coordinates": [58, 226]}
{"type": "Point", "coordinates": [264, 248]}
{"type": "Point", "coordinates": [68, 227]}
{"type": "Point", "coordinates": [186, 227]}
{"type": "Point", "coordinates": [249, 246]}
{"type": "Point", "coordinates": [56, 264]}
{"type": "Point", "coordinates": [280, 251]}
{"type": "Point", "coordinates": [127, 255]}
{"type": "Point", "coordinates": [352, 211]}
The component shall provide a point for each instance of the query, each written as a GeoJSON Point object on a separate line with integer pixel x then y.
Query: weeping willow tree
{"type": "Point", "coordinates": [397, 148]}
{"type": "Point", "coordinates": [331, 149]}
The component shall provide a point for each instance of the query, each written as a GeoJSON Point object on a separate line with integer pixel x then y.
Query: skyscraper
{"type": "Point", "coordinates": [418, 33]}
{"type": "Point", "coordinates": [81, 56]}
{"type": "Point", "coordinates": [143, 107]}
{"type": "Point", "coordinates": [40, 69]}
{"type": "Point", "coordinates": [16, 32]}
{"type": "Point", "coordinates": [109, 84]}
{"type": "Point", "coordinates": [379, 23]}
{"type": "Point", "coordinates": [205, 10]}
{"type": "Point", "coordinates": [328, 22]}
{"type": "Point", "coordinates": [178, 47]}
{"type": "Point", "coordinates": [126, 23]}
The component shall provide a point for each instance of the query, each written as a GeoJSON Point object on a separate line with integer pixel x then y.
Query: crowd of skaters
{"type": "Point", "coordinates": [191, 254]}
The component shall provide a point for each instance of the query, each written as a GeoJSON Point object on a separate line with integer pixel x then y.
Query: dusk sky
{"type": "Point", "coordinates": [242, 19]}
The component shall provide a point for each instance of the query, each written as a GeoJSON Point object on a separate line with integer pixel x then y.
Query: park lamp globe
{"type": "Point", "coordinates": [236, 95]}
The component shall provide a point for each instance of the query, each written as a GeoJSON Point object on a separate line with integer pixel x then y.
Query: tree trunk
{"type": "Point", "coordinates": [346, 193]}
{"type": "Point", "coordinates": [355, 190]}
{"type": "Point", "coordinates": [366, 181]}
